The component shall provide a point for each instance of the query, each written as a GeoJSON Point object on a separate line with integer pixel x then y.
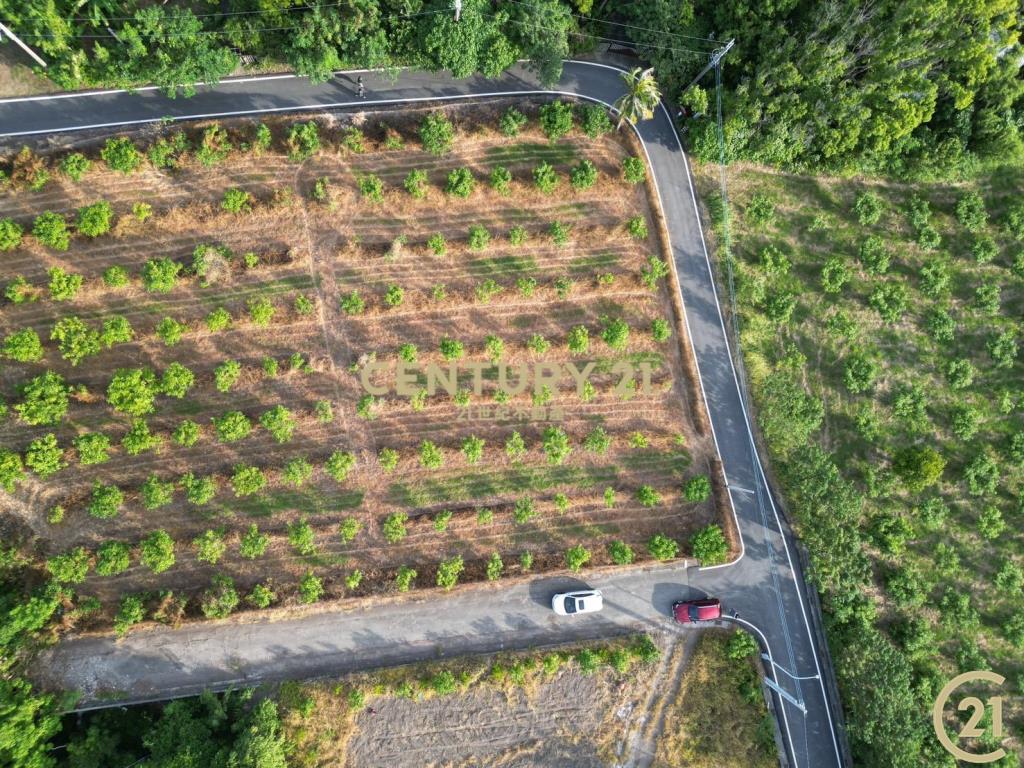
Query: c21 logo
{"type": "Point", "coordinates": [971, 729]}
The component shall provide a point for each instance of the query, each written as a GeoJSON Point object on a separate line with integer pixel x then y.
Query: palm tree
{"type": "Point", "coordinates": [641, 96]}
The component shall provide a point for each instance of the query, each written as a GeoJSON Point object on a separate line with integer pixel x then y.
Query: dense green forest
{"type": "Point", "coordinates": [930, 88]}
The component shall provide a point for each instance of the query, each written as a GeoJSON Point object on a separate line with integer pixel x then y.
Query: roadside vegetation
{"type": "Point", "coordinates": [880, 328]}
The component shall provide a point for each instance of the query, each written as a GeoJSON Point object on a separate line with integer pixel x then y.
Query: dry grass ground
{"type": "Point", "coordinates": [322, 251]}
{"type": "Point", "coordinates": [685, 709]}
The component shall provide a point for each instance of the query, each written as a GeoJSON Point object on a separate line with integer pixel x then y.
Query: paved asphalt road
{"type": "Point", "coordinates": [765, 586]}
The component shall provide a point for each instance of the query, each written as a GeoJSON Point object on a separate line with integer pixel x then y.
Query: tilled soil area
{"type": "Point", "coordinates": [309, 239]}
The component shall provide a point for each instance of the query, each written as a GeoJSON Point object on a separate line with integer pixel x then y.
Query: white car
{"type": "Point", "coordinates": [571, 603]}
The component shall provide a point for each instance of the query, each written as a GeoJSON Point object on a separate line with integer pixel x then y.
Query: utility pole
{"type": "Point", "coordinates": [458, 9]}
{"type": "Point", "coordinates": [5, 31]}
{"type": "Point", "coordinates": [716, 57]}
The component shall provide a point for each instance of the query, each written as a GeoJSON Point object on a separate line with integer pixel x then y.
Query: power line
{"type": "Point", "coordinates": [631, 26]}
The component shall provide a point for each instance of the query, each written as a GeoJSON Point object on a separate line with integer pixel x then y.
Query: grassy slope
{"type": "Point", "coordinates": [950, 554]}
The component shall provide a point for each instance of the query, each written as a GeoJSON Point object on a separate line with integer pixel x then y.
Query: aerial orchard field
{"type": "Point", "coordinates": [192, 314]}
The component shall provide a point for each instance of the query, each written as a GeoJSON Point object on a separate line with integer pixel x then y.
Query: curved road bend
{"type": "Point", "coordinates": [765, 586]}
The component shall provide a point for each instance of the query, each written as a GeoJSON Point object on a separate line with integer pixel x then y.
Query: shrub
{"type": "Point", "coordinates": [615, 333]}
{"type": "Point", "coordinates": [661, 331]}
{"type": "Point", "coordinates": [868, 208]}
{"type": "Point", "coordinates": [296, 472]}
{"type": "Point", "coordinates": [50, 229]}
{"type": "Point", "coordinates": [709, 545]}
{"type": "Point", "coordinates": [394, 295]}
{"type": "Point", "coordinates": [112, 558]}
{"type": "Point", "coordinates": [578, 340]}
{"type": "Point", "coordinates": [23, 346]}
{"type": "Point", "coordinates": [436, 243]}
{"type": "Point", "coordinates": [524, 511]}
{"type": "Point", "coordinates": [116, 330]}
{"type": "Point", "coordinates": [941, 327]}
{"type": "Point", "coordinates": [442, 519]}
{"type": "Point", "coordinates": [303, 141]}
{"type": "Point", "coordinates": [576, 557]}
{"type": "Point", "coordinates": [11, 470]}
{"type": "Point", "coordinates": [860, 372]}
{"type": "Point", "coordinates": [960, 373]}
{"type": "Point", "coordinates": [160, 275]}
{"type": "Point", "coordinates": [226, 374]}
{"type": "Point", "coordinates": [982, 475]}
{"type": "Point", "coordinates": [494, 567]}
{"type": "Point", "coordinates": [517, 236]}
{"type": "Point", "coordinates": [261, 311]}
{"type": "Point", "coordinates": [10, 234]}
{"type": "Point", "coordinates": [339, 464]}
{"type": "Point", "coordinates": [394, 527]}
{"type": "Point", "coordinates": [186, 434]}
{"type": "Point", "coordinates": [177, 380]}
{"type": "Point", "coordinates": [75, 340]}
{"type": "Point", "coordinates": [511, 122]}
{"type": "Point", "coordinates": [353, 304]}
{"type": "Point", "coordinates": [94, 220]}
{"type": "Point", "coordinates": [460, 183]}
{"type": "Point", "coordinates": [214, 147]}
{"type": "Point", "coordinates": [451, 349]}
{"type": "Point", "coordinates": [594, 120]}
{"type": "Point", "coordinates": [556, 119]}
{"type": "Point", "coordinates": [890, 301]}
{"type": "Point", "coordinates": [236, 201]}
{"type": "Point", "coordinates": [157, 551]}
{"type": "Point", "coordinates": [559, 232]}
{"type": "Point", "coordinates": [167, 152]}
{"type": "Point", "coordinates": [198, 490]}
{"type": "Point", "coordinates": [253, 544]}
{"type": "Point", "coordinates": [473, 449]}
{"type": "Point", "coordinates": [115, 277]}
{"type": "Point", "coordinates": [139, 439]}
{"type": "Point", "coordinates": [19, 291]}
{"type": "Point", "coordinates": [479, 237]}
{"type": "Point", "coordinates": [170, 331]}
{"type": "Point", "coordinates": [633, 170]}
{"type": "Point", "coordinates": [556, 445]}
{"type": "Point", "coordinates": [987, 298]}
{"type": "Point", "coordinates": [105, 501]}
{"type": "Point", "coordinates": [63, 286]}
{"type": "Point", "coordinates": [990, 523]}
{"type": "Point", "coordinates": [70, 567]}
{"type": "Point", "coordinates": [538, 344]}
{"type": "Point", "coordinates": [121, 155]}
{"type": "Point", "coordinates": [324, 411]}
{"type": "Point", "coordinates": [970, 210]}
{"type": "Point", "coordinates": [583, 176]}
{"type": "Point", "coordinates": [302, 538]}
{"type": "Point", "coordinates": [131, 612]}
{"type": "Point", "coordinates": [232, 426]}
{"type": "Point", "coordinates": [353, 580]}
{"type": "Point", "coordinates": [448, 572]}
{"type": "Point", "coordinates": [637, 227]}
{"type": "Point", "coordinates": [874, 255]}
{"type": "Point", "coordinates": [545, 178]}
{"type": "Point", "coordinates": [279, 422]}
{"type": "Point", "coordinates": [404, 578]}
{"type": "Point", "coordinates": [515, 447]}
{"type": "Point", "coordinates": [697, 489]}
{"type": "Point", "coordinates": [44, 400]}
{"type": "Point", "coordinates": [44, 456]}
{"type": "Point", "coordinates": [834, 275]}
{"type": "Point", "coordinates": [311, 588]}
{"type": "Point", "coordinates": [221, 598]}
{"type": "Point", "coordinates": [984, 250]}
{"type": "Point", "coordinates": [661, 547]}
{"type": "Point", "coordinates": [155, 493]}
{"type": "Point", "coordinates": [210, 546]}
{"type": "Point", "coordinates": [1002, 347]}
{"type": "Point", "coordinates": [647, 496]}
{"type": "Point", "coordinates": [416, 184]}
{"type": "Point", "coordinates": [371, 188]}
{"type": "Point", "coordinates": [620, 552]}
{"type": "Point", "coordinates": [75, 165]}
{"type": "Point", "coordinates": [247, 480]}
{"type": "Point", "coordinates": [437, 133]}
{"type": "Point", "coordinates": [655, 270]}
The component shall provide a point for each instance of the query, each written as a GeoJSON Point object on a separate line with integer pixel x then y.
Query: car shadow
{"type": "Point", "coordinates": [542, 590]}
{"type": "Point", "coordinates": [664, 595]}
